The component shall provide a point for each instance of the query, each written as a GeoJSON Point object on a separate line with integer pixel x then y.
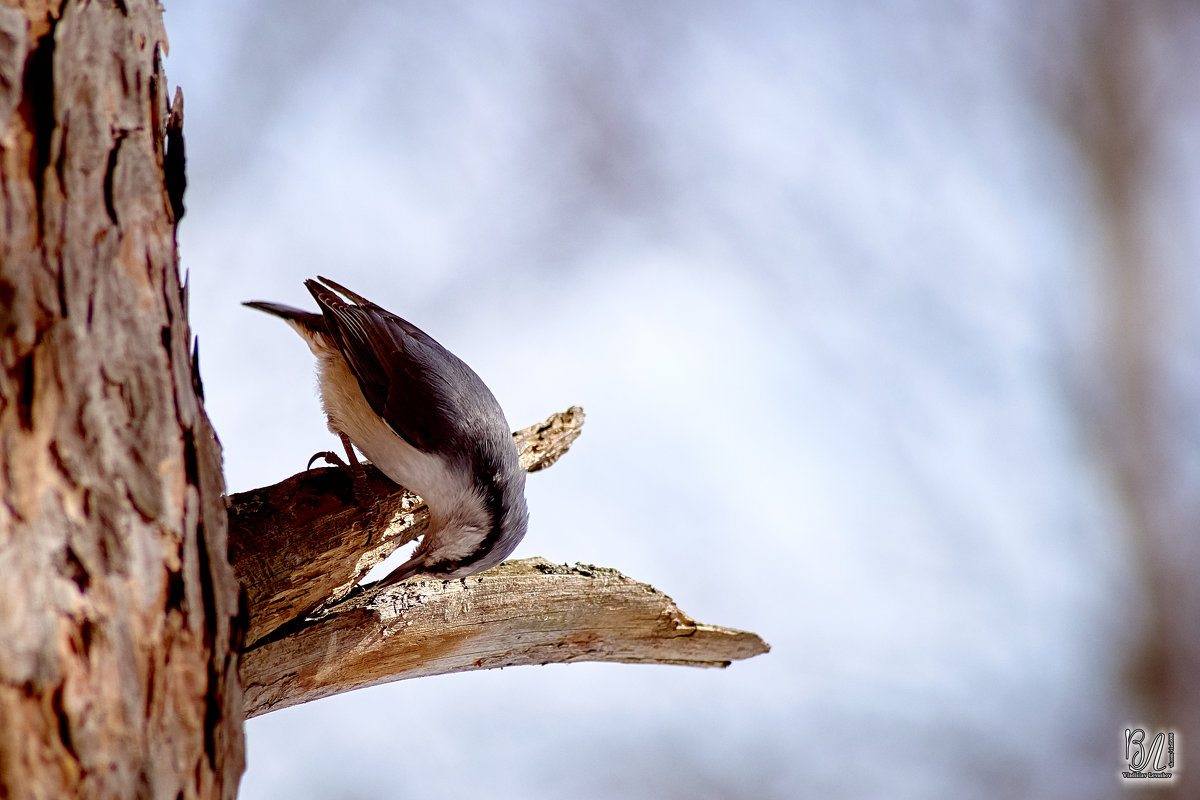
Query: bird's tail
{"type": "Point", "coordinates": [296, 316]}
{"type": "Point", "coordinates": [310, 325]}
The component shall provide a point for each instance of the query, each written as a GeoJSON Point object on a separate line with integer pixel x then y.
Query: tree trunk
{"type": "Point", "coordinates": [118, 606]}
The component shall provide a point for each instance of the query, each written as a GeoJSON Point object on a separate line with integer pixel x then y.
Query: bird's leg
{"type": "Point", "coordinates": [362, 493]}
{"type": "Point", "coordinates": [349, 450]}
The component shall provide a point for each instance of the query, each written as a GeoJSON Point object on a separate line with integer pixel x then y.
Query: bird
{"type": "Point", "coordinates": [423, 418]}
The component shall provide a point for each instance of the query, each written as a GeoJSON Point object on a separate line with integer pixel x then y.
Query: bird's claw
{"type": "Point", "coordinates": [330, 457]}
{"type": "Point", "coordinates": [358, 477]}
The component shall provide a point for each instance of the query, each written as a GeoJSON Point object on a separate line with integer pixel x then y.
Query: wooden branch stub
{"type": "Point", "coordinates": [308, 540]}
{"type": "Point", "coordinates": [542, 444]}
{"type": "Point", "coordinates": [522, 612]}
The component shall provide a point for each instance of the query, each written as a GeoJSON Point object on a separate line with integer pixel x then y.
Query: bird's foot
{"type": "Point", "coordinates": [329, 457]}
{"type": "Point", "coordinates": [358, 476]}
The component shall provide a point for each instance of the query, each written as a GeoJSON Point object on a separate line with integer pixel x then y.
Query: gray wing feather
{"type": "Point", "coordinates": [401, 371]}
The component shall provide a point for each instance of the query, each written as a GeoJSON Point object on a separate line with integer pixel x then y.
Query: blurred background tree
{"type": "Point", "coordinates": [1118, 90]}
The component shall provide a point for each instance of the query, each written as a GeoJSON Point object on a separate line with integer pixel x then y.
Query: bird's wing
{"type": "Point", "coordinates": [392, 358]}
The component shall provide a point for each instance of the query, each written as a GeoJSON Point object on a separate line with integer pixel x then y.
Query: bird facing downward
{"type": "Point", "coordinates": [425, 419]}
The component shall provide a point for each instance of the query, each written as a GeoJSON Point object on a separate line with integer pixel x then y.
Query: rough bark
{"type": "Point", "coordinates": [118, 607]}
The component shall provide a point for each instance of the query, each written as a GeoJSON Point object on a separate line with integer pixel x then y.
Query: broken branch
{"type": "Point", "coordinates": [522, 612]}
{"type": "Point", "coordinates": [300, 548]}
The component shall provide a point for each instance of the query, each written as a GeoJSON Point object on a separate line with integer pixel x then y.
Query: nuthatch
{"type": "Point", "coordinates": [425, 419]}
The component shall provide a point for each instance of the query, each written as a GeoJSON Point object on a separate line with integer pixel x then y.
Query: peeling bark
{"type": "Point", "coordinates": [118, 607]}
